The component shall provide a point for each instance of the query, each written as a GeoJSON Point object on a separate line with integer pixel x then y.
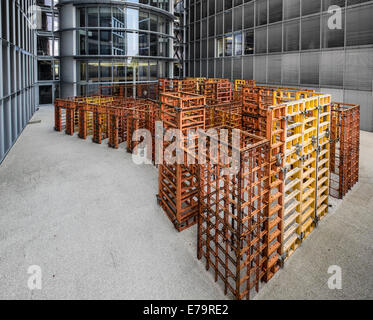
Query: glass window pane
{"type": "Point", "coordinates": [105, 42]}
{"type": "Point", "coordinates": [92, 17]}
{"type": "Point", "coordinates": [143, 20]}
{"type": "Point", "coordinates": [143, 44]}
{"type": "Point", "coordinates": [105, 17]}
{"type": "Point", "coordinates": [92, 42]}
{"type": "Point", "coordinates": [81, 17]}
{"type": "Point", "coordinates": [143, 70]}
{"type": "Point", "coordinates": [238, 44]}
{"type": "Point", "coordinates": [93, 71]}
{"type": "Point", "coordinates": [228, 46]}
{"type": "Point", "coordinates": [219, 47]}
{"type": "Point", "coordinates": [261, 12]}
{"type": "Point", "coordinates": [275, 38]}
{"type": "Point", "coordinates": [275, 10]}
{"type": "Point", "coordinates": [153, 72]}
{"type": "Point", "coordinates": [237, 18]}
{"type": "Point", "coordinates": [132, 18]}
{"type": "Point", "coordinates": [83, 71]}
{"type": "Point", "coordinates": [132, 43]}
{"type": "Point", "coordinates": [153, 23]}
{"type": "Point", "coordinates": [198, 30]}
{"type": "Point", "coordinates": [311, 33]}
{"type": "Point", "coordinates": [219, 24]}
{"type": "Point", "coordinates": [249, 15]}
{"type": "Point", "coordinates": [310, 7]}
{"type": "Point", "coordinates": [211, 7]}
{"type": "Point", "coordinates": [153, 45]}
{"type": "Point", "coordinates": [164, 45]}
{"type": "Point", "coordinates": [119, 43]}
{"type": "Point", "coordinates": [360, 26]}
{"type": "Point", "coordinates": [105, 71]}
{"type": "Point", "coordinates": [249, 42]}
{"type": "Point", "coordinates": [291, 9]}
{"type": "Point", "coordinates": [211, 47]}
{"type": "Point", "coordinates": [119, 17]}
{"type": "Point", "coordinates": [228, 21]}
{"type": "Point", "coordinates": [309, 68]}
{"type": "Point", "coordinates": [328, 3]}
{"type": "Point", "coordinates": [261, 40]}
{"type": "Point", "coordinates": [119, 71]}
{"type": "Point", "coordinates": [291, 36]}
{"type": "Point", "coordinates": [332, 38]}
{"type": "Point", "coordinates": [82, 37]}
{"type": "Point", "coordinates": [45, 71]}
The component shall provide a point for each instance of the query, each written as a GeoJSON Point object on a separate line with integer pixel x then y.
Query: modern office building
{"type": "Point", "coordinates": [17, 71]}
{"type": "Point", "coordinates": [110, 42]}
{"type": "Point", "coordinates": [48, 51]}
{"type": "Point", "coordinates": [77, 45]}
{"type": "Point", "coordinates": [304, 43]}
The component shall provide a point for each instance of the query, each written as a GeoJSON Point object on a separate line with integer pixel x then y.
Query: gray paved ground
{"type": "Point", "coordinates": [88, 217]}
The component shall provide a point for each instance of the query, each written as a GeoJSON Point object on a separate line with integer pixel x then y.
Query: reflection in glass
{"type": "Point", "coordinates": [132, 18]}
{"type": "Point", "coordinates": [93, 72]}
{"type": "Point", "coordinates": [238, 44]}
{"type": "Point", "coordinates": [153, 72]}
{"type": "Point", "coordinates": [119, 43]}
{"type": "Point", "coordinates": [105, 71]}
{"type": "Point", "coordinates": [163, 47]}
{"type": "Point", "coordinates": [249, 42]}
{"type": "Point", "coordinates": [105, 42]}
{"type": "Point", "coordinates": [119, 71]}
{"type": "Point", "coordinates": [143, 70]}
{"type": "Point", "coordinates": [143, 44]}
{"type": "Point", "coordinates": [105, 17]}
{"type": "Point", "coordinates": [153, 23]}
{"type": "Point", "coordinates": [93, 42]}
{"type": "Point", "coordinates": [92, 14]}
{"type": "Point", "coordinates": [219, 47]}
{"type": "Point", "coordinates": [143, 20]}
{"type": "Point", "coordinates": [228, 46]}
{"type": "Point", "coordinates": [132, 43]}
{"type": "Point", "coordinates": [56, 70]}
{"type": "Point", "coordinates": [83, 71]}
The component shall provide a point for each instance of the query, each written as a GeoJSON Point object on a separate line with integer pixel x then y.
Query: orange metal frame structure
{"type": "Point", "coordinates": [344, 148]}
{"type": "Point", "coordinates": [178, 189]}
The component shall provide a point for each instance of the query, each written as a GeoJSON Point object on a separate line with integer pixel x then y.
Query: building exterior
{"type": "Point", "coordinates": [112, 41]}
{"type": "Point", "coordinates": [17, 71]}
{"type": "Point", "coordinates": [287, 42]}
{"type": "Point", "coordinates": [75, 46]}
{"type": "Point", "coordinates": [48, 51]}
{"type": "Point", "coordinates": [179, 40]}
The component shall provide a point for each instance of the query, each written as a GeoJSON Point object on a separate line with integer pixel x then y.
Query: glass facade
{"type": "Point", "coordinates": [120, 43]}
{"type": "Point", "coordinates": [18, 72]}
{"type": "Point", "coordinates": [48, 51]}
{"type": "Point", "coordinates": [282, 41]}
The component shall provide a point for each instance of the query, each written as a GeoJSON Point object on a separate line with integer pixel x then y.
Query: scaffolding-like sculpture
{"type": "Point", "coordinates": [232, 214]}
{"type": "Point", "coordinates": [178, 188]}
{"type": "Point", "coordinates": [344, 148]}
